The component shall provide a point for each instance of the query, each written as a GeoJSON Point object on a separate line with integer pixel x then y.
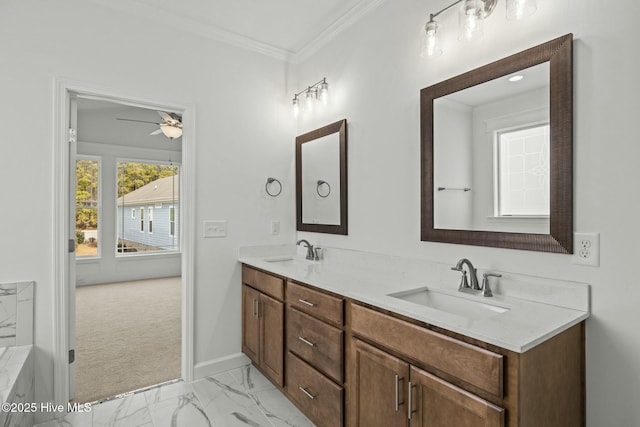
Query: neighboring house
{"type": "Point", "coordinates": [150, 216]}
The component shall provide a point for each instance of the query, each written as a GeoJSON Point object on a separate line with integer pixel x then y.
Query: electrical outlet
{"type": "Point", "coordinates": [586, 249]}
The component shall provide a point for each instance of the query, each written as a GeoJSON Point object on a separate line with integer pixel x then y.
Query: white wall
{"type": "Point", "coordinates": [453, 208]}
{"type": "Point", "coordinates": [375, 74]}
{"type": "Point", "coordinates": [244, 134]}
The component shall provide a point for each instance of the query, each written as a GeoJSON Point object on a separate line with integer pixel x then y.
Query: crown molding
{"type": "Point", "coordinates": [354, 14]}
{"type": "Point", "coordinates": [164, 17]}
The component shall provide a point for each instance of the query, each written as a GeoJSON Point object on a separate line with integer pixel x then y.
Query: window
{"type": "Point", "coordinates": [152, 189]}
{"type": "Point", "coordinates": [87, 206]}
{"type": "Point", "coordinates": [522, 173]}
{"type": "Point", "coordinates": [172, 221]}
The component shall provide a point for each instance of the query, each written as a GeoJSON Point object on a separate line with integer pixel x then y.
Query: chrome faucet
{"type": "Point", "coordinates": [473, 276]}
{"type": "Point", "coordinates": [310, 253]}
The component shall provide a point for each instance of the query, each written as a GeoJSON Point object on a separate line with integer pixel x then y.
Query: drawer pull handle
{"type": "Point", "coordinates": [397, 398]}
{"type": "Point", "coordinates": [306, 341]}
{"type": "Point", "coordinates": [309, 395]}
{"type": "Point", "coordinates": [410, 410]}
{"type": "Point", "coordinates": [305, 302]}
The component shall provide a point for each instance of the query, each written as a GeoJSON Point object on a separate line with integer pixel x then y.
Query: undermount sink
{"type": "Point", "coordinates": [459, 306]}
{"type": "Point", "coordinates": [280, 259]}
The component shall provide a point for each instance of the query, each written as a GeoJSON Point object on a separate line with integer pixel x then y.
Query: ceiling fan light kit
{"type": "Point", "coordinates": [171, 131]}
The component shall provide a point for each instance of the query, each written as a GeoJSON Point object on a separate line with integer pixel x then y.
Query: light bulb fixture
{"type": "Point", "coordinates": [311, 96]}
{"type": "Point", "coordinates": [296, 106]}
{"type": "Point", "coordinates": [471, 19]}
{"type": "Point", "coordinates": [316, 92]}
{"type": "Point", "coordinates": [472, 14]}
{"type": "Point", "coordinates": [171, 132]}
{"type": "Point", "coordinates": [323, 93]}
{"type": "Point", "coordinates": [431, 48]}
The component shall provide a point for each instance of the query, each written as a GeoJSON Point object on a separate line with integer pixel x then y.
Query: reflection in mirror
{"type": "Point", "coordinates": [493, 138]}
{"type": "Point", "coordinates": [321, 179]}
{"type": "Point", "coordinates": [497, 153]}
{"type": "Point", "coordinates": [320, 167]}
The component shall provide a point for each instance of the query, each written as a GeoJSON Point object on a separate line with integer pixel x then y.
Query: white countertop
{"type": "Point", "coordinates": [538, 308]}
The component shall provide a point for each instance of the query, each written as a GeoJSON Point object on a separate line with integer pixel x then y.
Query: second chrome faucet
{"type": "Point", "coordinates": [465, 286]}
{"type": "Point", "coordinates": [312, 255]}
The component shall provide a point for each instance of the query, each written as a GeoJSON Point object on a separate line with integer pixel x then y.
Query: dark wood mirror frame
{"type": "Point", "coordinates": [559, 54]}
{"type": "Point", "coordinates": [341, 228]}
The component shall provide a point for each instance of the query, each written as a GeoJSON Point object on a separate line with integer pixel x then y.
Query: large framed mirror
{"type": "Point", "coordinates": [321, 179]}
{"type": "Point", "coordinates": [497, 153]}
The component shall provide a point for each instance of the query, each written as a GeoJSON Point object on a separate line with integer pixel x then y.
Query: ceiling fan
{"type": "Point", "coordinates": [171, 125]}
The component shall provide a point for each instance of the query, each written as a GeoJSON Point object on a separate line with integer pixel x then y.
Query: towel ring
{"type": "Point", "coordinates": [269, 182]}
{"type": "Point", "coordinates": [320, 183]}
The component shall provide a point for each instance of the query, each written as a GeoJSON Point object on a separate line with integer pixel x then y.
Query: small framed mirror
{"type": "Point", "coordinates": [497, 153]}
{"type": "Point", "coordinates": [321, 179]}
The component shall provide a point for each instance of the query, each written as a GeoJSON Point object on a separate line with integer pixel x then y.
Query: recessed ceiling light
{"type": "Point", "coordinates": [516, 78]}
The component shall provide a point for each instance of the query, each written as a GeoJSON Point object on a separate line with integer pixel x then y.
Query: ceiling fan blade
{"type": "Point", "coordinates": [165, 116]}
{"type": "Point", "coordinates": [156, 132]}
{"type": "Point", "coordinates": [139, 121]}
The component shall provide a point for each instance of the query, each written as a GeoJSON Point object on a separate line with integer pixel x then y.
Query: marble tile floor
{"type": "Point", "coordinates": [240, 397]}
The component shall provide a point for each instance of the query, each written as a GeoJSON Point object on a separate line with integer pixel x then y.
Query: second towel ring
{"type": "Point", "coordinates": [320, 183]}
{"type": "Point", "coordinates": [269, 182]}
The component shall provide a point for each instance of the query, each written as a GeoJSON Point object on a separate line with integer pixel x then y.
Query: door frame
{"type": "Point", "coordinates": [61, 229]}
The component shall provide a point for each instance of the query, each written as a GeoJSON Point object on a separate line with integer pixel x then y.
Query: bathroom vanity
{"type": "Point", "coordinates": [347, 348]}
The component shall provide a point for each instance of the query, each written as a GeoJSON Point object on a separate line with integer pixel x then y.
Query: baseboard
{"type": "Point", "coordinates": [216, 366]}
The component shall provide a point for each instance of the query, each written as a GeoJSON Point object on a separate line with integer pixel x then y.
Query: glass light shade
{"type": "Point", "coordinates": [471, 20]}
{"type": "Point", "coordinates": [296, 107]}
{"type": "Point", "coordinates": [311, 97]}
{"type": "Point", "coordinates": [520, 9]}
{"type": "Point", "coordinates": [171, 132]}
{"type": "Point", "coordinates": [323, 94]}
{"type": "Point", "coordinates": [430, 48]}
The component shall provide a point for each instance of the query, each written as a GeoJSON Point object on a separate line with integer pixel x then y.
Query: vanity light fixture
{"type": "Point", "coordinates": [472, 14]}
{"type": "Point", "coordinates": [317, 91]}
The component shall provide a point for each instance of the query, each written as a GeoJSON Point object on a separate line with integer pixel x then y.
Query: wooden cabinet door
{"type": "Point", "coordinates": [271, 313]}
{"type": "Point", "coordinates": [378, 392]}
{"type": "Point", "coordinates": [437, 403]}
{"type": "Point", "coordinates": [250, 324]}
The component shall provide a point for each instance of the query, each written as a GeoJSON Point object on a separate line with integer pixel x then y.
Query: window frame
{"type": "Point", "coordinates": [124, 255]}
{"type": "Point", "coordinates": [98, 160]}
{"type": "Point", "coordinates": [497, 210]}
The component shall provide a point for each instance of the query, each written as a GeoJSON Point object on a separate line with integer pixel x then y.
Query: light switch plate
{"type": "Point", "coordinates": [217, 228]}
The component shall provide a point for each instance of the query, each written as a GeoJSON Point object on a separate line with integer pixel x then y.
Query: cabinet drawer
{"type": "Point", "coordinates": [473, 365]}
{"type": "Point", "coordinates": [316, 342]}
{"type": "Point", "coordinates": [315, 303]}
{"type": "Point", "coordinates": [319, 398]}
{"type": "Point", "coordinates": [265, 283]}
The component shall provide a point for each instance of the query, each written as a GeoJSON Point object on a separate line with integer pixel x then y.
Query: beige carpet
{"type": "Point", "coordinates": [127, 336]}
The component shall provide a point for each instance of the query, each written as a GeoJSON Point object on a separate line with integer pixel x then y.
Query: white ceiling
{"type": "Point", "coordinates": [288, 29]}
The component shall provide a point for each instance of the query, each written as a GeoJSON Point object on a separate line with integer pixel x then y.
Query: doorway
{"type": "Point", "coordinates": [129, 268]}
